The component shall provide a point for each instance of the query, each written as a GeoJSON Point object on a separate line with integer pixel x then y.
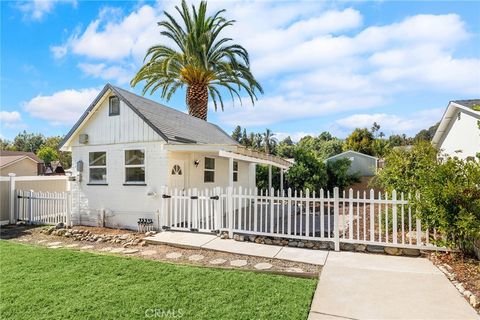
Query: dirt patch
{"type": "Point", "coordinates": [460, 268]}
{"type": "Point", "coordinates": [159, 252]}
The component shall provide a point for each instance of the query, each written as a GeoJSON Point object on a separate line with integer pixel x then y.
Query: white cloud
{"type": "Point", "coordinates": [62, 107]}
{"type": "Point", "coordinates": [295, 136]}
{"type": "Point", "coordinates": [37, 9]}
{"type": "Point", "coordinates": [11, 119]}
{"type": "Point", "coordinates": [391, 123]}
{"type": "Point", "coordinates": [116, 73]}
{"type": "Point", "coordinates": [314, 59]}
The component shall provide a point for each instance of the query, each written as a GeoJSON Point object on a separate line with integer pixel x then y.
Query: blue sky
{"type": "Point", "coordinates": [325, 66]}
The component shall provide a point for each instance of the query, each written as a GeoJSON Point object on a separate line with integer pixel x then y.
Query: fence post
{"type": "Point", "coordinates": [12, 197]}
{"type": "Point", "coordinates": [217, 209]}
{"type": "Point", "coordinates": [230, 211]}
{"type": "Point", "coordinates": [336, 211]}
{"type": "Point", "coordinates": [30, 196]}
{"type": "Point", "coordinates": [161, 211]}
{"type": "Point", "coordinates": [394, 216]}
{"type": "Point", "coordinates": [68, 198]}
{"type": "Point", "coordinates": [350, 214]}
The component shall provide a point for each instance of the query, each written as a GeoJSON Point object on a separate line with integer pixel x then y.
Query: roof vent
{"type": "Point", "coordinates": [83, 138]}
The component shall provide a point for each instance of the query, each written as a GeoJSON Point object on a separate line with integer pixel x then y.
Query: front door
{"type": "Point", "coordinates": [177, 175]}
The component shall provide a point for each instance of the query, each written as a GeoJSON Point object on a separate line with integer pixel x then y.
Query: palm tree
{"type": "Point", "coordinates": [201, 60]}
{"type": "Point", "coordinates": [269, 141]}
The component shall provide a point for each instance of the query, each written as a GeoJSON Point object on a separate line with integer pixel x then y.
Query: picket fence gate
{"type": "Point", "coordinates": [42, 207]}
{"type": "Point", "coordinates": [368, 218]}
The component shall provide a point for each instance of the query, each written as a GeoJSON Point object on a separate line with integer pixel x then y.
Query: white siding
{"type": "Point", "coordinates": [124, 128]}
{"type": "Point", "coordinates": [462, 138]}
{"type": "Point", "coordinates": [194, 175]}
{"type": "Point", "coordinates": [123, 204]}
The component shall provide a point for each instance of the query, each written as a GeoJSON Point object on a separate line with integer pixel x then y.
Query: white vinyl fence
{"type": "Point", "coordinates": [356, 218]}
{"type": "Point", "coordinates": [43, 207]}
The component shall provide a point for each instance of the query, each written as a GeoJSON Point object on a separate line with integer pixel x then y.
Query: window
{"type": "Point", "coordinates": [209, 172]}
{"type": "Point", "coordinates": [235, 171]}
{"type": "Point", "coordinates": [135, 166]}
{"type": "Point", "coordinates": [113, 106]}
{"type": "Point", "coordinates": [97, 167]}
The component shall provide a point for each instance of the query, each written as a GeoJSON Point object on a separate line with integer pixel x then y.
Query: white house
{"type": "Point", "coordinates": [458, 133]}
{"type": "Point", "coordinates": [125, 148]}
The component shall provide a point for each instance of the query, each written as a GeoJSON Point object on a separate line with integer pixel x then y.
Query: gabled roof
{"type": "Point", "coordinates": [351, 151]}
{"type": "Point", "coordinates": [9, 157]}
{"type": "Point", "coordinates": [174, 126]}
{"type": "Point", "coordinates": [451, 113]}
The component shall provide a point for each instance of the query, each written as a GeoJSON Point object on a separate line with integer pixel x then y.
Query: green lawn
{"type": "Point", "coordinates": [41, 283]}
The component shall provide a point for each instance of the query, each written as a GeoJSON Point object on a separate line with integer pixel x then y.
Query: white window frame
{"type": "Point", "coordinates": [97, 167]}
{"type": "Point", "coordinates": [209, 170]}
{"type": "Point", "coordinates": [125, 166]}
{"type": "Point", "coordinates": [235, 171]}
{"type": "Point", "coordinates": [110, 113]}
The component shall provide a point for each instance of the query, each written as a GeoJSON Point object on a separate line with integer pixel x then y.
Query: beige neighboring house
{"type": "Point", "coordinates": [20, 163]}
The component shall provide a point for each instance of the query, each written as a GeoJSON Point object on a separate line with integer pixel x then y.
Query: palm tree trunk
{"type": "Point", "coordinates": [197, 101]}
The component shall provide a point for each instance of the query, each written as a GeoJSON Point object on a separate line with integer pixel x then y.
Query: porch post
{"type": "Point", "coordinates": [252, 174]}
{"type": "Point", "coordinates": [269, 178]}
{"type": "Point", "coordinates": [281, 179]}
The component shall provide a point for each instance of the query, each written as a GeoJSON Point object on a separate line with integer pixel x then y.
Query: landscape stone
{"type": "Point", "coordinates": [148, 252]}
{"type": "Point", "coordinates": [87, 247]}
{"type": "Point", "coordinates": [54, 247]}
{"type": "Point", "coordinates": [106, 249]}
{"type": "Point", "coordinates": [196, 257]}
{"type": "Point", "coordinates": [218, 261]}
{"type": "Point", "coordinates": [374, 249]}
{"type": "Point", "coordinates": [173, 255]}
{"type": "Point", "coordinates": [411, 252]}
{"type": "Point", "coordinates": [238, 263]}
{"type": "Point", "coordinates": [293, 269]}
{"type": "Point", "coordinates": [263, 266]}
{"type": "Point", "coordinates": [474, 301]}
{"type": "Point", "coordinates": [56, 243]}
{"type": "Point", "coordinates": [393, 251]}
{"type": "Point", "coordinates": [130, 251]}
{"type": "Point", "coordinates": [117, 250]}
{"type": "Point", "coordinates": [73, 245]}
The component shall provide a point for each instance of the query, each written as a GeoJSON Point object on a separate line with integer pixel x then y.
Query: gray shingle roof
{"type": "Point", "coordinates": [468, 103]}
{"type": "Point", "coordinates": [174, 126]}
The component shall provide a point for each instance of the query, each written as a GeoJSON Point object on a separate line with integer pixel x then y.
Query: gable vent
{"type": "Point", "coordinates": [83, 138]}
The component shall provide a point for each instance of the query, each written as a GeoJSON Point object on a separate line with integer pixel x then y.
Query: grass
{"type": "Point", "coordinates": [41, 283]}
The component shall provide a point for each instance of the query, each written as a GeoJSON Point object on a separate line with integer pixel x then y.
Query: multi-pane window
{"type": "Point", "coordinates": [235, 171]}
{"type": "Point", "coordinates": [135, 166]}
{"type": "Point", "coordinates": [97, 167]}
{"type": "Point", "coordinates": [209, 170]}
{"type": "Point", "coordinates": [113, 106]}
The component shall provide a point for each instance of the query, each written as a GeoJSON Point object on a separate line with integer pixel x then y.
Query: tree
{"type": "Point", "coordinates": [28, 142]}
{"type": "Point", "coordinates": [64, 157]}
{"type": "Point", "coordinates": [427, 134]}
{"type": "Point", "coordinates": [285, 148]}
{"type": "Point", "coordinates": [359, 140]}
{"type": "Point", "coordinates": [307, 171]}
{"type": "Point", "coordinates": [200, 60]}
{"type": "Point", "coordinates": [269, 141]}
{"type": "Point", "coordinates": [338, 176]}
{"type": "Point", "coordinates": [375, 128]}
{"type": "Point", "coordinates": [237, 133]}
{"type": "Point", "coordinates": [47, 154]}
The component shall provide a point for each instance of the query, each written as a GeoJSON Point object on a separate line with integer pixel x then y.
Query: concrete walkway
{"type": "Point", "coordinates": [212, 242]}
{"type": "Point", "coordinates": [366, 286]}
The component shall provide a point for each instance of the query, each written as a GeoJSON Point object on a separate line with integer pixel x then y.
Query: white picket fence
{"type": "Point", "coordinates": [356, 218]}
{"type": "Point", "coordinates": [42, 207]}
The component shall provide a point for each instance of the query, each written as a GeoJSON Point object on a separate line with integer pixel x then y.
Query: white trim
{"type": "Point", "coordinates": [34, 178]}
{"type": "Point", "coordinates": [348, 151]}
{"type": "Point", "coordinates": [125, 166]}
{"type": "Point", "coordinates": [448, 115]}
{"type": "Point", "coordinates": [227, 154]}
{"type": "Point", "coordinates": [4, 222]}
{"type": "Point", "coordinates": [67, 145]}
{"type": "Point", "coordinates": [98, 167]}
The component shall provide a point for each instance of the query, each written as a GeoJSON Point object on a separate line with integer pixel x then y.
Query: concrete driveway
{"type": "Point", "coordinates": [366, 286]}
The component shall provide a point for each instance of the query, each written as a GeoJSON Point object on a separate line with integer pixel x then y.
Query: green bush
{"type": "Point", "coordinates": [445, 191]}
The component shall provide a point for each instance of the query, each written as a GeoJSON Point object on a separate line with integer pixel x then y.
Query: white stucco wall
{"type": "Point", "coordinates": [462, 138]}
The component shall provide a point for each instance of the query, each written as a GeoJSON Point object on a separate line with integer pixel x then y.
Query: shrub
{"type": "Point", "coordinates": [447, 189]}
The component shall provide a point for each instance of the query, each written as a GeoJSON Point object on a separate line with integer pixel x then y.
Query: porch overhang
{"type": "Point", "coordinates": [245, 154]}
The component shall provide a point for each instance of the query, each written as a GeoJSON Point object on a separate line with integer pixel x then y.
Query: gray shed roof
{"type": "Point", "coordinates": [174, 126]}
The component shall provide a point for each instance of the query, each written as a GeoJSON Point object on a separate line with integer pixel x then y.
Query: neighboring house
{"type": "Point", "coordinates": [362, 165]}
{"type": "Point", "coordinates": [54, 168]}
{"type": "Point", "coordinates": [458, 133]}
{"type": "Point", "coordinates": [126, 148]}
{"type": "Point", "coordinates": [20, 163]}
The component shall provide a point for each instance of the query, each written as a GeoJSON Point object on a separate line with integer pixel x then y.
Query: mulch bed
{"type": "Point", "coordinates": [465, 268]}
